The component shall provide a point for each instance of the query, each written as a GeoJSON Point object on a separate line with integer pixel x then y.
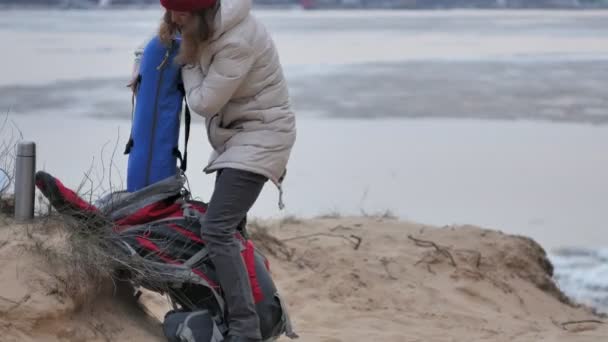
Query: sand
{"type": "Point", "coordinates": [498, 287]}
{"type": "Point", "coordinates": [43, 301]}
{"type": "Point", "coordinates": [344, 279]}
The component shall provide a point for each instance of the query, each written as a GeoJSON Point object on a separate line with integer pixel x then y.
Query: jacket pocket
{"type": "Point", "coordinates": [217, 135]}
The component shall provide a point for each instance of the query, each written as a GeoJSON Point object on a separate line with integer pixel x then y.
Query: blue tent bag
{"type": "Point", "coordinates": [158, 101]}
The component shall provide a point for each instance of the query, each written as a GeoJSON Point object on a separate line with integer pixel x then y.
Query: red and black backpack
{"type": "Point", "coordinates": [156, 233]}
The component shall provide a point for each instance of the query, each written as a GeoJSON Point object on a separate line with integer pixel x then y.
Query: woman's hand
{"type": "Point", "coordinates": [135, 72]}
{"type": "Point", "coordinates": [133, 84]}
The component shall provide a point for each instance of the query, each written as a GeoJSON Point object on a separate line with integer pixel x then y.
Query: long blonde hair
{"type": "Point", "coordinates": [195, 35]}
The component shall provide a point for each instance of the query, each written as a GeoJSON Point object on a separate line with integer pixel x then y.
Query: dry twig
{"type": "Point", "coordinates": [16, 304]}
{"type": "Point", "coordinates": [340, 227]}
{"type": "Point", "coordinates": [353, 239]}
{"type": "Point", "coordinates": [9, 300]}
{"type": "Point", "coordinates": [565, 324]}
{"type": "Point", "coordinates": [385, 261]}
{"type": "Point", "coordinates": [442, 250]}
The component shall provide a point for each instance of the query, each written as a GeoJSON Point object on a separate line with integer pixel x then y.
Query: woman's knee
{"type": "Point", "coordinates": [219, 231]}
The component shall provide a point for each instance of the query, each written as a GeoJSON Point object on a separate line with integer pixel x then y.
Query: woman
{"type": "Point", "coordinates": [233, 78]}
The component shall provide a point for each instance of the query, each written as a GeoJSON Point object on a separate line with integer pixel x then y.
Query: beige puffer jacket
{"type": "Point", "coordinates": [240, 89]}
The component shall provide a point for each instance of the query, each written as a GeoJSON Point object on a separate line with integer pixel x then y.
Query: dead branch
{"type": "Point", "coordinates": [442, 250]}
{"type": "Point", "coordinates": [340, 227]}
{"type": "Point", "coordinates": [9, 300]}
{"type": "Point", "coordinates": [564, 324]}
{"type": "Point", "coordinates": [474, 252]}
{"type": "Point", "coordinates": [8, 148]}
{"type": "Point", "coordinates": [113, 165]}
{"type": "Point", "coordinates": [100, 331]}
{"type": "Point", "coordinates": [87, 179]}
{"type": "Point", "coordinates": [385, 261]}
{"type": "Point", "coordinates": [428, 264]}
{"type": "Point", "coordinates": [353, 239]}
{"type": "Point", "coordinates": [269, 243]}
{"type": "Point", "coordinates": [18, 129]}
{"type": "Point", "coordinates": [556, 323]}
{"type": "Point", "coordinates": [103, 166]}
{"type": "Point", "coordinates": [359, 240]}
{"type": "Point", "coordinates": [16, 304]}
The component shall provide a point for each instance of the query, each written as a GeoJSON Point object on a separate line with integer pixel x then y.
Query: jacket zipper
{"type": "Point", "coordinates": [161, 67]}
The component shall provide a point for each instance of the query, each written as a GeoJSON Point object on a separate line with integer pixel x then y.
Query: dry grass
{"type": "Point", "coordinates": [383, 215]}
{"type": "Point", "coordinates": [82, 255]}
{"type": "Point", "coordinates": [10, 135]}
{"type": "Point", "coordinates": [332, 215]}
{"type": "Point", "coordinates": [7, 205]}
{"type": "Point", "coordinates": [79, 258]}
{"type": "Point", "coordinates": [78, 264]}
{"type": "Point", "coordinates": [290, 219]}
{"type": "Point", "coordinates": [267, 243]}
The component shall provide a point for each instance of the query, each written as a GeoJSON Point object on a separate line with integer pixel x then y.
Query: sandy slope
{"type": "Point", "coordinates": [390, 289]}
{"type": "Point", "coordinates": [41, 300]}
{"type": "Point", "coordinates": [476, 285]}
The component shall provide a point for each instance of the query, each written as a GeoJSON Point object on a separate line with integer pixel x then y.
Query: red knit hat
{"type": "Point", "coordinates": [187, 5]}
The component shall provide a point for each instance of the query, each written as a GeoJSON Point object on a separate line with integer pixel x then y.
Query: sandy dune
{"type": "Point", "coordinates": [345, 279]}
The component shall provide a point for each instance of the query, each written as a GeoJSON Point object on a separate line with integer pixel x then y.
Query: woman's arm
{"type": "Point", "coordinates": [139, 51]}
{"type": "Point", "coordinates": [206, 95]}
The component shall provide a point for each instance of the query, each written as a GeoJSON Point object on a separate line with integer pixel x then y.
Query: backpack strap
{"type": "Point", "coordinates": [288, 326]}
{"type": "Point", "coordinates": [134, 86]}
{"type": "Point", "coordinates": [188, 118]}
{"type": "Point", "coordinates": [198, 256]}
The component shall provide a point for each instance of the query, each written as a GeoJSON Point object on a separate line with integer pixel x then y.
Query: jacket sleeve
{"type": "Point", "coordinates": [139, 51]}
{"type": "Point", "coordinates": [208, 94]}
{"type": "Point", "coordinates": [137, 55]}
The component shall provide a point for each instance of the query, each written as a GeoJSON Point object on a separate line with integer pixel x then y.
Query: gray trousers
{"type": "Point", "coordinates": [235, 193]}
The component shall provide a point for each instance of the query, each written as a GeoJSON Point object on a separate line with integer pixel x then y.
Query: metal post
{"type": "Point", "coordinates": [24, 181]}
